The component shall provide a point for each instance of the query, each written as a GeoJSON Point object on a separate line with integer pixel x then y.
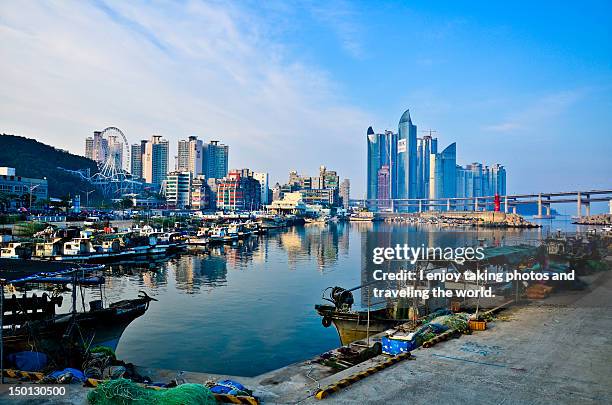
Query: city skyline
{"type": "Point", "coordinates": [494, 78]}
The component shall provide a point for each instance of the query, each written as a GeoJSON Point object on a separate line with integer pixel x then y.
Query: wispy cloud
{"type": "Point", "coordinates": [540, 110]}
{"type": "Point", "coordinates": [341, 17]}
{"type": "Point", "coordinates": [176, 69]}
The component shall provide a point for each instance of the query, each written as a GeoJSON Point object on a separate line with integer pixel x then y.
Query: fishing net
{"type": "Point", "coordinates": [126, 392]}
{"type": "Point", "coordinates": [596, 265]}
{"type": "Point", "coordinates": [458, 322]}
{"type": "Point", "coordinates": [107, 351]}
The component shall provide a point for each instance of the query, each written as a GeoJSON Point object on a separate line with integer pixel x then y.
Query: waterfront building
{"type": "Point", "coordinates": [291, 203]}
{"type": "Point", "coordinates": [96, 147]}
{"type": "Point", "coordinates": [478, 180]}
{"type": "Point", "coordinates": [212, 193]}
{"type": "Point", "coordinates": [239, 191]}
{"type": "Point", "coordinates": [264, 181]}
{"type": "Point", "coordinates": [399, 153]}
{"type": "Point", "coordinates": [345, 193]}
{"type": "Point", "coordinates": [21, 190]}
{"type": "Point", "coordinates": [402, 166]}
{"type": "Point", "coordinates": [215, 158]}
{"type": "Point", "coordinates": [200, 193]}
{"type": "Point", "coordinates": [189, 156]}
{"type": "Point", "coordinates": [426, 146]}
{"type": "Point", "coordinates": [498, 179]}
{"type": "Point", "coordinates": [404, 176]}
{"type": "Point", "coordinates": [277, 193]}
{"type": "Point", "coordinates": [443, 173]}
{"type": "Point", "coordinates": [381, 148]}
{"type": "Point", "coordinates": [177, 189]}
{"type": "Point", "coordinates": [322, 190]}
{"type": "Point", "coordinates": [326, 197]}
{"type": "Point", "coordinates": [155, 161]}
{"type": "Point", "coordinates": [384, 188]}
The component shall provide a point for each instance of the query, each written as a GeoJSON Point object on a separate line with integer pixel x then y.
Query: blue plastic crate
{"type": "Point", "coordinates": [397, 346]}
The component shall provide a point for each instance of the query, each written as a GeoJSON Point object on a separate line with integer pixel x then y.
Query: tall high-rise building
{"type": "Point", "coordinates": [425, 147]}
{"type": "Point", "coordinates": [136, 152]}
{"type": "Point", "coordinates": [264, 183]}
{"type": "Point", "coordinates": [189, 158]}
{"type": "Point", "coordinates": [155, 160]}
{"type": "Point", "coordinates": [498, 179]}
{"type": "Point", "coordinates": [115, 150]}
{"type": "Point", "coordinates": [381, 150]}
{"type": "Point", "coordinates": [478, 180]}
{"type": "Point", "coordinates": [443, 173]}
{"type": "Point", "coordinates": [384, 187]}
{"type": "Point", "coordinates": [215, 160]}
{"type": "Point", "coordinates": [89, 148]}
{"type": "Point", "coordinates": [96, 147]}
{"type": "Point", "coordinates": [403, 170]}
{"type": "Point", "coordinates": [345, 193]}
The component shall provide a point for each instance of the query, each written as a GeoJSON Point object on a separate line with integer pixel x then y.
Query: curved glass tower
{"type": "Point", "coordinates": [380, 154]}
{"type": "Point", "coordinates": [443, 173]}
{"type": "Point", "coordinates": [404, 173]}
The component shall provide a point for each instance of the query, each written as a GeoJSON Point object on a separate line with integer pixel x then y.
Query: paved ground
{"type": "Point", "coordinates": [559, 351]}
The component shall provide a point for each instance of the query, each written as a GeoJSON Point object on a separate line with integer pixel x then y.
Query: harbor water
{"type": "Point", "coordinates": [249, 308]}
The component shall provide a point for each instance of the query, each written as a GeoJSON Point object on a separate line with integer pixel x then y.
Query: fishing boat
{"type": "Point", "coordinates": [353, 325]}
{"type": "Point", "coordinates": [271, 222]}
{"type": "Point", "coordinates": [32, 323]}
{"type": "Point", "coordinates": [365, 216]}
{"type": "Point", "coordinates": [222, 235]}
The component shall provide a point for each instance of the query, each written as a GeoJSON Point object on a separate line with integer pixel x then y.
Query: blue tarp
{"type": "Point", "coordinates": [28, 361]}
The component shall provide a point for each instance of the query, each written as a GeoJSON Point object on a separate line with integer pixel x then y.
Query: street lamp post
{"type": "Point", "coordinates": [87, 196]}
{"type": "Point", "coordinates": [32, 189]}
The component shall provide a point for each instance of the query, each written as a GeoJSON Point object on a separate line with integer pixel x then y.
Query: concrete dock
{"type": "Point", "coordinates": [555, 351]}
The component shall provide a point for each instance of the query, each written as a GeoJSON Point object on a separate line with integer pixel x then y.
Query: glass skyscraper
{"type": "Point", "coordinates": [381, 148]}
{"type": "Point", "coordinates": [425, 147]}
{"type": "Point", "coordinates": [443, 173]}
{"type": "Point", "coordinates": [401, 166]}
{"type": "Point", "coordinates": [403, 171]}
{"type": "Point", "coordinates": [215, 160]}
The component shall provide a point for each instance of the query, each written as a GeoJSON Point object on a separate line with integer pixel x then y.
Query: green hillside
{"type": "Point", "coordinates": [31, 158]}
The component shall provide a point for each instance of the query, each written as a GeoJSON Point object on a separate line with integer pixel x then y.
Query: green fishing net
{"type": "Point", "coordinates": [126, 392]}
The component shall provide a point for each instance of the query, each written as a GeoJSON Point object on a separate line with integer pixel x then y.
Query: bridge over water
{"type": "Point", "coordinates": [544, 201]}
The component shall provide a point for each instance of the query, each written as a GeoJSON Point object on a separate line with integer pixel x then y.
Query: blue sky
{"type": "Point", "coordinates": [292, 85]}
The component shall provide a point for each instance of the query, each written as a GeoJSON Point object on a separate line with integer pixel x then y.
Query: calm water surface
{"type": "Point", "coordinates": [248, 309]}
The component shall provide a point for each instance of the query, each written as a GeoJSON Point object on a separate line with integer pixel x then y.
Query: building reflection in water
{"type": "Point", "coordinates": [192, 272]}
{"type": "Point", "coordinates": [389, 235]}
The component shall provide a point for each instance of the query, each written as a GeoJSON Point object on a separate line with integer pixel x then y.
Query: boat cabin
{"type": "Point", "coordinates": [108, 246]}
{"type": "Point", "coordinates": [47, 249]}
{"type": "Point", "coordinates": [78, 246]}
{"type": "Point", "coordinates": [16, 250]}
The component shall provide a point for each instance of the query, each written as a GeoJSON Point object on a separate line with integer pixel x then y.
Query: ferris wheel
{"type": "Point", "coordinates": [116, 152]}
{"type": "Point", "coordinates": [112, 176]}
